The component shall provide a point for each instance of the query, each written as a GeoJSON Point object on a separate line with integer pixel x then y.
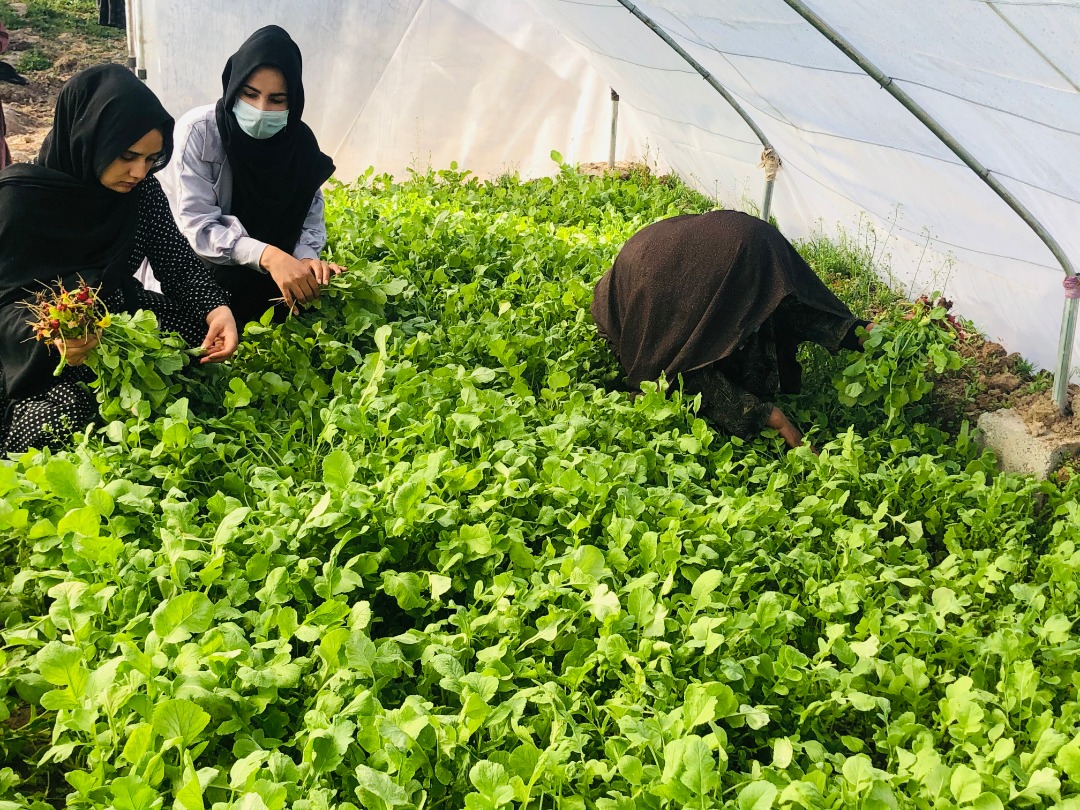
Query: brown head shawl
{"type": "Point", "coordinates": [688, 291]}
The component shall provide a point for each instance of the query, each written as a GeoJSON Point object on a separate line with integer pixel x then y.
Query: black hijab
{"type": "Point", "coordinates": [57, 222]}
{"type": "Point", "coordinates": [274, 179]}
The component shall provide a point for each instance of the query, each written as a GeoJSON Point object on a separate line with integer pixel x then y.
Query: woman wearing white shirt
{"type": "Point", "coordinates": [244, 182]}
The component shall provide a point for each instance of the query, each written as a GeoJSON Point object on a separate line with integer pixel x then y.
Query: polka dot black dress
{"type": "Point", "coordinates": [189, 293]}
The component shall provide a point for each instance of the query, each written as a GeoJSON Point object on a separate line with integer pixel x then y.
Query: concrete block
{"type": "Point", "coordinates": [1017, 450]}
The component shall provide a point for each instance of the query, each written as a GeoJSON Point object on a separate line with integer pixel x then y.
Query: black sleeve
{"type": "Point", "coordinates": [851, 340]}
{"type": "Point", "coordinates": [727, 405]}
{"type": "Point", "coordinates": [183, 276]}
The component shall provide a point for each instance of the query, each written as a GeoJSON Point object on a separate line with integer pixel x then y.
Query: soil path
{"type": "Point", "coordinates": [28, 109]}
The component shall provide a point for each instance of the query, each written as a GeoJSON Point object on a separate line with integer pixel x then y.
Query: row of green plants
{"type": "Point", "coordinates": [419, 550]}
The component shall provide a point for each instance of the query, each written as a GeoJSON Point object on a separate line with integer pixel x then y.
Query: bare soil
{"type": "Point", "coordinates": [623, 169]}
{"type": "Point", "coordinates": [995, 379]}
{"type": "Point", "coordinates": [28, 109]}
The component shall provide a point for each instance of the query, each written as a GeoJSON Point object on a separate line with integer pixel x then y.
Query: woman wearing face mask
{"type": "Point", "coordinates": [245, 182]}
{"type": "Point", "coordinates": [89, 210]}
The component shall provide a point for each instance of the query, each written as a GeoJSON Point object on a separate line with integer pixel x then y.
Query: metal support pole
{"type": "Point", "coordinates": [770, 162]}
{"type": "Point", "coordinates": [129, 30]}
{"type": "Point", "coordinates": [719, 88]}
{"type": "Point", "coordinates": [136, 37]}
{"type": "Point", "coordinates": [1068, 336]}
{"type": "Point", "coordinates": [614, 127]}
{"type": "Point", "coordinates": [912, 106]}
{"type": "Point", "coordinates": [766, 204]}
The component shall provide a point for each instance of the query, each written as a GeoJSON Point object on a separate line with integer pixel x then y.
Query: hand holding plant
{"type": "Point", "coordinates": [322, 271]}
{"type": "Point", "coordinates": [221, 336]}
{"type": "Point", "coordinates": [71, 320]}
{"type": "Point", "coordinates": [294, 279]}
{"type": "Point", "coordinates": [788, 432]}
{"type": "Point", "coordinates": [74, 351]}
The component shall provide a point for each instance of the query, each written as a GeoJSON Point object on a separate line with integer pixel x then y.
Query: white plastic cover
{"type": "Point", "coordinates": [402, 84]}
{"type": "Point", "coordinates": [498, 84]}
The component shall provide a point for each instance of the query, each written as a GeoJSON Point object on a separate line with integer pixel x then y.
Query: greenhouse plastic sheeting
{"type": "Point", "coordinates": [498, 84]}
{"type": "Point", "coordinates": [401, 84]}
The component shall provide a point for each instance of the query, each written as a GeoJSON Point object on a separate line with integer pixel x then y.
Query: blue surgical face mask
{"type": "Point", "coordinates": [259, 124]}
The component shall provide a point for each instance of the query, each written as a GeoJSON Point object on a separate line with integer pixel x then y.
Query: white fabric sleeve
{"type": "Point", "coordinates": [313, 236]}
{"type": "Point", "coordinates": [215, 237]}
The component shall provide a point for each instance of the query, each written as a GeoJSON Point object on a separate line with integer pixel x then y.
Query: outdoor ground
{"type": "Point", "coordinates": [50, 41]}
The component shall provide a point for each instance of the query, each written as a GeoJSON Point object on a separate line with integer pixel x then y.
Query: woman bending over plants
{"type": "Point", "coordinates": [245, 184]}
{"type": "Point", "coordinates": [723, 300]}
{"type": "Point", "coordinates": [74, 228]}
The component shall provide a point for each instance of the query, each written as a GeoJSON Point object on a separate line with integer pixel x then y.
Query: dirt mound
{"type": "Point", "coordinates": [1043, 417]}
{"type": "Point", "coordinates": [623, 169]}
{"type": "Point", "coordinates": [28, 109]}
{"type": "Point", "coordinates": [995, 379]}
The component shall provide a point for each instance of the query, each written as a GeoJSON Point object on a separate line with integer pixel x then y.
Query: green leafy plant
{"type": "Point", "coordinates": [134, 363]}
{"type": "Point", "coordinates": [900, 355]}
{"type": "Point", "coordinates": [53, 17]}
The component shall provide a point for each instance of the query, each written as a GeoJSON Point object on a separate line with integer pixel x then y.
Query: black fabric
{"type": "Point", "coordinates": [737, 391]}
{"type": "Point", "coordinates": [57, 222]}
{"type": "Point", "coordinates": [101, 112]}
{"type": "Point", "coordinates": [275, 179]}
{"type": "Point", "coordinates": [250, 293]}
{"type": "Point", "coordinates": [183, 276]}
{"type": "Point", "coordinates": [851, 338]}
{"type": "Point", "coordinates": [112, 13]}
{"type": "Point", "coordinates": [688, 291]}
{"type": "Point", "coordinates": [5, 153]}
{"type": "Point", "coordinates": [48, 419]}
{"type": "Point", "coordinates": [725, 404]}
{"type": "Point", "coordinates": [190, 292]}
{"type": "Point", "coordinates": [8, 74]}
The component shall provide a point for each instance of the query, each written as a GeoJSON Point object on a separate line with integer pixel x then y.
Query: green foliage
{"type": "Point", "coordinates": [414, 552]}
{"type": "Point", "coordinates": [135, 365]}
{"type": "Point", "coordinates": [900, 356]}
{"type": "Point", "coordinates": [847, 264]}
{"type": "Point", "coordinates": [33, 59]}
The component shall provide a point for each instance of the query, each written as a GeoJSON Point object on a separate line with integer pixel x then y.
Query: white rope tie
{"type": "Point", "coordinates": [770, 162]}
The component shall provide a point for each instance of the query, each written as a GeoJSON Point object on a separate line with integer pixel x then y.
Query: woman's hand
{"type": "Point", "coordinates": [76, 350]}
{"type": "Point", "coordinates": [323, 271]}
{"type": "Point", "coordinates": [778, 421]}
{"type": "Point", "coordinates": [221, 337]}
{"type": "Point", "coordinates": [297, 284]}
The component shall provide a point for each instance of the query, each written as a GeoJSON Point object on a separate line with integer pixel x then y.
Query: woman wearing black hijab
{"type": "Point", "coordinates": [89, 209]}
{"type": "Point", "coordinates": [724, 300]}
{"type": "Point", "coordinates": [245, 182]}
